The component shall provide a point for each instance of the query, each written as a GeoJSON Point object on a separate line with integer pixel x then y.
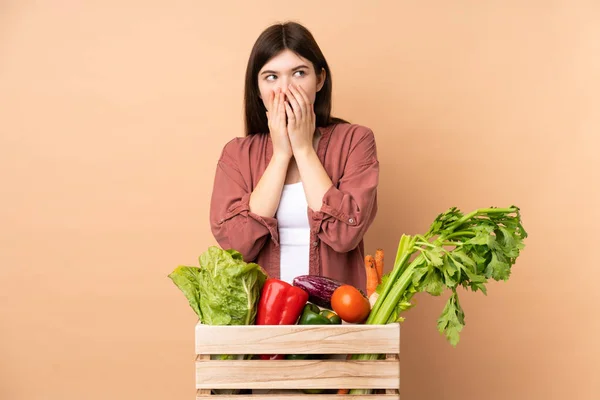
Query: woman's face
{"type": "Point", "coordinates": [285, 68]}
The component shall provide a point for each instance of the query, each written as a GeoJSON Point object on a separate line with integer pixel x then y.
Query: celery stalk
{"type": "Point", "coordinates": [457, 250]}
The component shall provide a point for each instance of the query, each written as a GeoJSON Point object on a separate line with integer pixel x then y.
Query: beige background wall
{"type": "Point", "coordinates": [112, 115]}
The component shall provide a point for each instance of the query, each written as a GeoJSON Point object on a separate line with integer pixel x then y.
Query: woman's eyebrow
{"type": "Point", "coordinates": [275, 72]}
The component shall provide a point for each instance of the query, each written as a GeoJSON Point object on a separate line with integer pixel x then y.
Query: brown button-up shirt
{"type": "Point", "coordinates": [348, 154]}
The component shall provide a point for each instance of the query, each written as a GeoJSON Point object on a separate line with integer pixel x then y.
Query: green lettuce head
{"type": "Point", "coordinates": [225, 290]}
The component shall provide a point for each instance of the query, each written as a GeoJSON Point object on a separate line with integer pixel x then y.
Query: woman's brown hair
{"type": "Point", "coordinates": [271, 42]}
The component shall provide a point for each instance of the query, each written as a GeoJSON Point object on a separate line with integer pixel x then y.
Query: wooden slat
{"type": "Point", "coordinates": [298, 339]}
{"type": "Point", "coordinates": [301, 396]}
{"type": "Point", "coordinates": [394, 357]}
{"type": "Point", "coordinates": [297, 374]}
{"type": "Point", "coordinates": [203, 392]}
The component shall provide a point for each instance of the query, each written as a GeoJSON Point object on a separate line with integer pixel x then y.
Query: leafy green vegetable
{"type": "Point", "coordinates": [457, 250]}
{"type": "Point", "coordinates": [186, 279]}
{"type": "Point", "coordinates": [224, 290]}
{"type": "Point", "coordinates": [452, 319]}
{"type": "Point", "coordinates": [229, 288]}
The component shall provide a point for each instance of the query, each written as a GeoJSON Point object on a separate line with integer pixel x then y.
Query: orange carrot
{"type": "Point", "coordinates": [379, 263]}
{"type": "Point", "coordinates": [372, 277]}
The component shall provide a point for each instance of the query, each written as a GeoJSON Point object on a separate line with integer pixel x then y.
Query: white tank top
{"type": "Point", "coordinates": [294, 232]}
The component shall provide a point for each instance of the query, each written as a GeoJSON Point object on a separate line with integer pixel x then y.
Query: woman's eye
{"type": "Point", "coordinates": [273, 77]}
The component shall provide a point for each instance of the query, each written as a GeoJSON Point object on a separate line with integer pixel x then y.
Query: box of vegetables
{"type": "Point", "coordinates": [259, 337]}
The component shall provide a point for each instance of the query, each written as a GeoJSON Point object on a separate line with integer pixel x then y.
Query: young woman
{"type": "Point", "coordinates": [299, 191]}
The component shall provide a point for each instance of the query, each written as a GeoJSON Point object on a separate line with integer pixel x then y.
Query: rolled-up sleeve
{"type": "Point", "coordinates": [349, 208]}
{"type": "Point", "coordinates": [232, 223]}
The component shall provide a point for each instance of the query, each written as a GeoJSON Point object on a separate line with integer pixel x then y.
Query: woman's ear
{"type": "Point", "coordinates": [321, 79]}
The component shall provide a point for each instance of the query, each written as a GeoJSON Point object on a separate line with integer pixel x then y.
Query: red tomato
{"type": "Point", "coordinates": [350, 304]}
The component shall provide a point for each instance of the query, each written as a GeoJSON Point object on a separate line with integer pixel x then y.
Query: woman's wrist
{"type": "Point", "coordinates": [304, 153]}
{"type": "Point", "coordinates": [281, 158]}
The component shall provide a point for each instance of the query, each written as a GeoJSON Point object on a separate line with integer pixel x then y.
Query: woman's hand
{"type": "Point", "coordinates": [301, 120]}
{"type": "Point", "coordinates": [277, 125]}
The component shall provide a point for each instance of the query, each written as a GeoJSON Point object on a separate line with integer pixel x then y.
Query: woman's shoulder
{"type": "Point", "coordinates": [243, 147]}
{"type": "Point", "coordinates": [351, 133]}
{"type": "Point", "coordinates": [355, 141]}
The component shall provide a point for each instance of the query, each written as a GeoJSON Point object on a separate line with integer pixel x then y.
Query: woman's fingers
{"type": "Point", "coordinates": [304, 97]}
{"type": "Point", "coordinates": [291, 118]}
{"type": "Point", "coordinates": [270, 100]}
{"type": "Point", "coordinates": [269, 106]}
{"type": "Point", "coordinates": [295, 101]}
{"type": "Point", "coordinates": [282, 103]}
{"type": "Point", "coordinates": [302, 100]}
{"type": "Point", "coordinates": [276, 97]}
{"type": "Point", "coordinates": [309, 106]}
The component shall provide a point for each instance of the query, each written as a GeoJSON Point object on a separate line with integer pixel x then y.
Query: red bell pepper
{"type": "Point", "coordinates": [280, 304]}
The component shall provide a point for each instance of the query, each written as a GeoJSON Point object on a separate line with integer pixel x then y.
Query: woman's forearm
{"type": "Point", "coordinates": [314, 178]}
{"type": "Point", "coordinates": [264, 200]}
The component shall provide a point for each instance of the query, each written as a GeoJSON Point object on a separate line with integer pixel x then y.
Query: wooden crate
{"type": "Point", "coordinates": [298, 374]}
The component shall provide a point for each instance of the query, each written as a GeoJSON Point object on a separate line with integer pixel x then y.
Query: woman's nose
{"type": "Point", "coordinates": [283, 84]}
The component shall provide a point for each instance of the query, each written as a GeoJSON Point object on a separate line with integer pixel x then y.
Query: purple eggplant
{"type": "Point", "coordinates": [319, 288]}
